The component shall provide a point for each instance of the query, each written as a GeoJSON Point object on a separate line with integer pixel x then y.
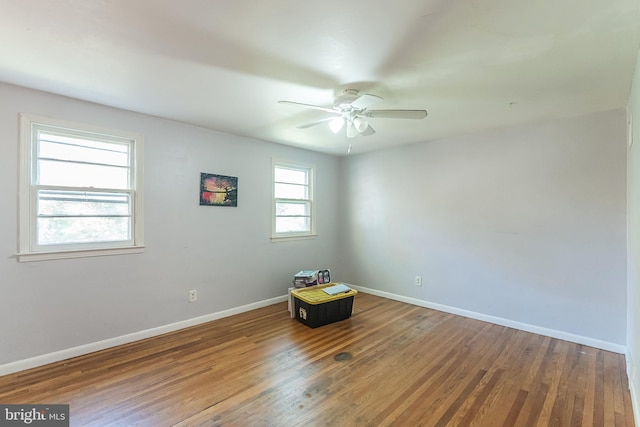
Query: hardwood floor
{"type": "Point", "coordinates": [389, 364]}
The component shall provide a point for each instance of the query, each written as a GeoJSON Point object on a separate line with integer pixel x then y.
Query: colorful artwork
{"type": "Point", "coordinates": [218, 190]}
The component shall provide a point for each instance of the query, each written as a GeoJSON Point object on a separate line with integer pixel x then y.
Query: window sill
{"type": "Point", "coordinates": [292, 238]}
{"type": "Point", "coordinates": [84, 253]}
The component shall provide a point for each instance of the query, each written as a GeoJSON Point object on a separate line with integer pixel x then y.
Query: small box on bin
{"type": "Point", "coordinates": [306, 278]}
{"type": "Point", "coordinates": [314, 307]}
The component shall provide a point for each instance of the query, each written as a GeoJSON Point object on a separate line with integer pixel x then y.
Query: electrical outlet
{"type": "Point", "coordinates": [193, 295]}
{"type": "Point", "coordinates": [418, 280]}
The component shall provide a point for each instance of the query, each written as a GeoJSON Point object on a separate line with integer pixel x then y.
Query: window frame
{"type": "Point", "coordinates": [311, 174]}
{"type": "Point", "coordinates": [28, 247]}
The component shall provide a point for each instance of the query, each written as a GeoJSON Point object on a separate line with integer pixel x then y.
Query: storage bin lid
{"type": "Point", "coordinates": [316, 294]}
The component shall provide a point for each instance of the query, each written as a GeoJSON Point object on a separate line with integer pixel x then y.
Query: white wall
{"type": "Point", "coordinates": [633, 245]}
{"type": "Point", "coordinates": [224, 253]}
{"type": "Point", "coordinates": [525, 224]}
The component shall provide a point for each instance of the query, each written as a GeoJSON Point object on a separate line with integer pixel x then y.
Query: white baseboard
{"type": "Point", "coordinates": [604, 345]}
{"type": "Point", "coordinates": [68, 353]}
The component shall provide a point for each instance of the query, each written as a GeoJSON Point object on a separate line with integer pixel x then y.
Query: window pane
{"type": "Point", "coordinates": [80, 189]}
{"type": "Point", "coordinates": [82, 175]}
{"type": "Point", "coordinates": [293, 176]}
{"type": "Point", "coordinates": [54, 202]}
{"type": "Point", "coordinates": [299, 209]}
{"type": "Point", "coordinates": [70, 149]}
{"type": "Point", "coordinates": [292, 224]}
{"type": "Point", "coordinates": [291, 191]}
{"type": "Point", "coordinates": [53, 231]}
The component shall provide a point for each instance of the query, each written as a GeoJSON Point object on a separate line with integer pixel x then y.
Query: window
{"type": "Point", "coordinates": [80, 190]}
{"type": "Point", "coordinates": [293, 208]}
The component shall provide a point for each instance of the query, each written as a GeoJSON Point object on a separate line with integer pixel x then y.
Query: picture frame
{"type": "Point", "coordinates": [218, 190]}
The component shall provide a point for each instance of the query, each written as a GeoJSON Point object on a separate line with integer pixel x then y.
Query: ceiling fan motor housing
{"type": "Point", "coordinates": [343, 102]}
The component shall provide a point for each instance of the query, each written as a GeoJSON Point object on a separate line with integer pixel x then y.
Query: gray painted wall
{"type": "Point", "coordinates": [526, 224]}
{"type": "Point", "coordinates": [633, 233]}
{"type": "Point", "coordinates": [224, 253]}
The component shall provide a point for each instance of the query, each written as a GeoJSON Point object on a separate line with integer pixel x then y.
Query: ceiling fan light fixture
{"type": "Point", "coordinates": [352, 132]}
{"type": "Point", "coordinates": [336, 124]}
{"type": "Point", "coordinates": [352, 110]}
{"type": "Point", "coordinates": [360, 124]}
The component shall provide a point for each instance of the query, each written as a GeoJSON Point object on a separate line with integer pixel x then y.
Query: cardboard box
{"type": "Point", "coordinates": [307, 278]}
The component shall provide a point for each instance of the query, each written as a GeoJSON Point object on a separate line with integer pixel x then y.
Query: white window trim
{"type": "Point", "coordinates": [27, 209]}
{"type": "Point", "coordinates": [283, 237]}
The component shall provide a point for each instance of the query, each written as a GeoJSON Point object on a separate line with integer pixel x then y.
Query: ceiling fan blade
{"type": "Point", "coordinates": [315, 107]}
{"type": "Point", "coordinates": [317, 122]}
{"type": "Point", "coordinates": [396, 114]}
{"type": "Point", "coordinates": [368, 131]}
{"type": "Point", "coordinates": [365, 101]}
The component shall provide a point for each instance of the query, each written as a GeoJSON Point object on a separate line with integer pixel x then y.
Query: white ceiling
{"type": "Point", "coordinates": [224, 64]}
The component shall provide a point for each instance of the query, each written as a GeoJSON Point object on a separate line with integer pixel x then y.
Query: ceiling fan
{"type": "Point", "coordinates": [352, 109]}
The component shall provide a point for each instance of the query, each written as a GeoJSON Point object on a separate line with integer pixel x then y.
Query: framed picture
{"type": "Point", "coordinates": [218, 190]}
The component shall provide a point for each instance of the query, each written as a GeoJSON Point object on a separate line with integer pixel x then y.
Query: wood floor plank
{"type": "Point", "coordinates": [390, 364]}
{"type": "Point", "coordinates": [554, 379]}
{"type": "Point", "coordinates": [516, 409]}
